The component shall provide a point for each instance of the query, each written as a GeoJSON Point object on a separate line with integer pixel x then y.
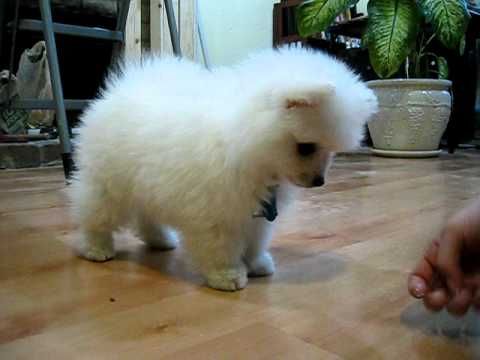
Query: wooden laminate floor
{"type": "Point", "coordinates": [343, 254]}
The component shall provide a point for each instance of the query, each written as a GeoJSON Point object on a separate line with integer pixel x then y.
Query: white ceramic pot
{"type": "Point", "coordinates": [413, 114]}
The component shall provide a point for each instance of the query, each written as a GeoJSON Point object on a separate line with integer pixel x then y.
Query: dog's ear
{"type": "Point", "coordinates": [307, 97]}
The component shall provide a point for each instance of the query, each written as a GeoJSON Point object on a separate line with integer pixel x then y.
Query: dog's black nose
{"type": "Point", "coordinates": [318, 181]}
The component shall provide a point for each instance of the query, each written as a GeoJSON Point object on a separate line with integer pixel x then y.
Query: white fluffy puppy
{"type": "Point", "coordinates": [169, 143]}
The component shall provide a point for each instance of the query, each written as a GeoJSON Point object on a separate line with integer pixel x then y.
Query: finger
{"type": "Point", "coordinates": [460, 303]}
{"type": "Point", "coordinates": [436, 300]}
{"type": "Point", "coordinates": [417, 286]}
{"type": "Point", "coordinates": [472, 281]}
{"type": "Point", "coordinates": [437, 282]}
{"type": "Point", "coordinates": [448, 260]}
{"type": "Point", "coordinates": [422, 276]}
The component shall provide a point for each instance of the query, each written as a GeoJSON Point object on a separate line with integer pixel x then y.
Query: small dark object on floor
{"type": "Point", "coordinates": [112, 299]}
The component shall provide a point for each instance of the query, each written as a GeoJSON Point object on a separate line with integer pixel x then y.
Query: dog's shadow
{"type": "Point", "coordinates": [464, 330]}
{"type": "Point", "coordinates": [168, 263]}
{"type": "Point", "coordinates": [294, 266]}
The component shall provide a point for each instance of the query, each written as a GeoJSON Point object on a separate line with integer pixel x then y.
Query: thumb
{"type": "Point", "coordinates": [449, 252]}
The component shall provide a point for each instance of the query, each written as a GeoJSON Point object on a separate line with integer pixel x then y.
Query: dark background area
{"type": "Point", "coordinates": [83, 61]}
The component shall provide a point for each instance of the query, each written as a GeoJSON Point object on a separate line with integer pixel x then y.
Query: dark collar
{"type": "Point", "coordinates": [269, 208]}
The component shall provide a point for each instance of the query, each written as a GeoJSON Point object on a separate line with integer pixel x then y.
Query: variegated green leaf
{"type": "Point", "coordinates": [314, 16]}
{"type": "Point", "coordinates": [449, 19]}
{"type": "Point", "coordinates": [392, 29]}
{"type": "Point", "coordinates": [461, 48]}
{"type": "Point", "coordinates": [442, 68]}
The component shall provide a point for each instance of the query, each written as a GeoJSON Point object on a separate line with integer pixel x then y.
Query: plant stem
{"type": "Point", "coordinates": [422, 53]}
{"type": "Point", "coordinates": [407, 67]}
{"type": "Point", "coordinates": [417, 65]}
{"type": "Point", "coordinates": [428, 41]}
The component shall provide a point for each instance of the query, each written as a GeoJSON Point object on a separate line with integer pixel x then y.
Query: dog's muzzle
{"type": "Point", "coordinates": [318, 181]}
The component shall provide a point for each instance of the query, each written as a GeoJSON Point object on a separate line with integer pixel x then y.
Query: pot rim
{"type": "Point", "coordinates": [437, 83]}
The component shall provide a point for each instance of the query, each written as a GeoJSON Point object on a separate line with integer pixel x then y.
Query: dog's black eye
{"type": "Point", "coordinates": [306, 149]}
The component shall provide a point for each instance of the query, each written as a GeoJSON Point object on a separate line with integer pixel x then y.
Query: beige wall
{"type": "Point", "coordinates": [234, 28]}
{"type": "Point", "coordinates": [362, 6]}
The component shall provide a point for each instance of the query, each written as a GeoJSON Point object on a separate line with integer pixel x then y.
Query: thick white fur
{"type": "Point", "coordinates": [169, 143]}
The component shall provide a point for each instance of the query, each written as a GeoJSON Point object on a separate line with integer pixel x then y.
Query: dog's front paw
{"type": "Point", "coordinates": [98, 254]}
{"type": "Point", "coordinates": [232, 279]}
{"type": "Point", "coordinates": [263, 265]}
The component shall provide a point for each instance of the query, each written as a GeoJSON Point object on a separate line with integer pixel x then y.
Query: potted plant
{"type": "Point", "coordinates": [413, 112]}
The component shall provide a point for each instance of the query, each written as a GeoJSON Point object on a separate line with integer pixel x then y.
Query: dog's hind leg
{"type": "Point", "coordinates": [156, 236]}
{"type": "Point", "coordinates": [218, 256]}
{"type": "Point", "coordinates": [258, 259]}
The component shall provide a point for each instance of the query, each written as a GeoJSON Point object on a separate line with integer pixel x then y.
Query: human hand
{"type": "Point", "coordinates": [448, 275]}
